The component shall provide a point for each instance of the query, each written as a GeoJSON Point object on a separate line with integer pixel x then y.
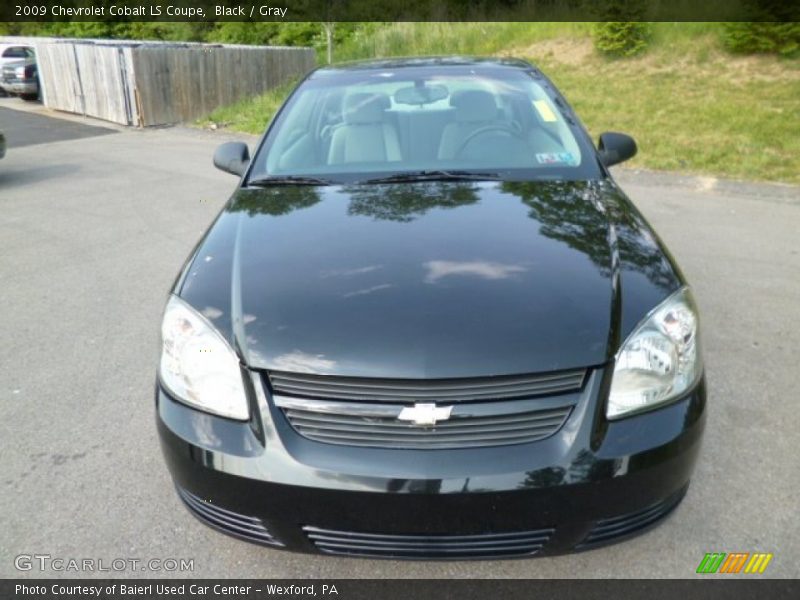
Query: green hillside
{"type": "Point", "coordinates": [692, 105]}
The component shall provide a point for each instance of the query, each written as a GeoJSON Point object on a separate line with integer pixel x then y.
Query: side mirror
{"type": "Point", "coordinates": [616, 148]}
{"type": "Point", "coordinates": [232, 157]}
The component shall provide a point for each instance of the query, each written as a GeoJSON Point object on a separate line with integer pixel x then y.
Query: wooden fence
{"type": "Point", "coordinates": [177, 84]}
{"type": "Point", "coordinates": [156, 83]}
{"type": "Point", "coordinates": [89, 79]}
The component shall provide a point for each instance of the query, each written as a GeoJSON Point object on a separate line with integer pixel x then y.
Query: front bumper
{"type": "Point", "coordinates": [591, 483]}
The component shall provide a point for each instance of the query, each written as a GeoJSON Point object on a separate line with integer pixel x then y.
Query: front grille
{"type": "Point", "coordinates": [377, 425]}
{"type": "Point", "coordinates": [302, 385]}
{"type": "Point", "coordinates": [485, 411]}
{"type": "Point", "coordinates": [609, 530]}
{"type": "Point", "coordinates": [491, 545]}
{"type": "Point", "coordinates": [242, 526]}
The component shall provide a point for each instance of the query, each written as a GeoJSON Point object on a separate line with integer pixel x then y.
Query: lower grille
{"type": "Point", "coordinates": [491, 545]}
{"type": "Point", "coordinates": [609, 530]}
{"type": "Point", "coordinates": [242, 526]}
{"type": "Point", "coordinates": [467, 426]}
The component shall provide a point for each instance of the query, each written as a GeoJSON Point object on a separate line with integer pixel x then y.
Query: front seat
{"type": "Point", "coordinates": [475, 109]}
{"type": "Point", "coordinates": [366, 135]}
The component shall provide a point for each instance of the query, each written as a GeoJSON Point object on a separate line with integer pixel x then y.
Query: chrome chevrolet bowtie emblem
{"type": "Point", "coordinates": [425, 414]}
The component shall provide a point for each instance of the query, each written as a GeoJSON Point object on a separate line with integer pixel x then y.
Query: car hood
{"type": "Point", "coordinates": [426, 280]}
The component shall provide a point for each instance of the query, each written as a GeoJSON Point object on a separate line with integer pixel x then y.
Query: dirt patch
{"type": "Point", "coordinates": [763, 68]}
{"type": "Point", "coordinates": [713, 62]}
{"type": "Point", "coordinates": [569, 51]}
{"type": "Point", "coordinates": [705, 60]}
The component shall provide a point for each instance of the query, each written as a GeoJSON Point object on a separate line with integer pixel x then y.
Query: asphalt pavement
{"type": "Point", "coordinates": [29, 127]}
{"type": "Point", "coordinates": [93, 229]}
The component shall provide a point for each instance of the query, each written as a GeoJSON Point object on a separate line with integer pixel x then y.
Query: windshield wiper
{"type": "Point", "coordinates": [435, 176]}
{"type": "Point", "coordinates": [286, 180]}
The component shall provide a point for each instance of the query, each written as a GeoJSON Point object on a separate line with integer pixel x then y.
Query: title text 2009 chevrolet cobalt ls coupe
{"type": "Point", "coordinates": [428, 324]}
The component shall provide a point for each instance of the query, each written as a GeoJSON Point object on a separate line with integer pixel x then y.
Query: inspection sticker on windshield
{"type": "Point", "coordinates": [545, 111]}
{"type": "Point", "coordinates": [556, 158]}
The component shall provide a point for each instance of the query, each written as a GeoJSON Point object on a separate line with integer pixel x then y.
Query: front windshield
{"type": "Point", "coordinates": [356, 125]}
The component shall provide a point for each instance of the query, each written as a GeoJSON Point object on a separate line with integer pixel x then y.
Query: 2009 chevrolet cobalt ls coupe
{"type": "Point", "coordinates": [428, 324]}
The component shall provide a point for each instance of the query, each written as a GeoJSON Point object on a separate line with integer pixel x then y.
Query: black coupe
{"type": "Point", "coordinates": [429, 324]}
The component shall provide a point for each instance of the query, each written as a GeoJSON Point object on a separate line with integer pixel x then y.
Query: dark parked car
{"type": "Point", "coordinates": [2, 145]}
{"type": "Point", "coordinates": [429, 324]}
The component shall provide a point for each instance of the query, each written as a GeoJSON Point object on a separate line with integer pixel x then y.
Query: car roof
{"type": "Point", "coordinates": [5, 47]}
{"type": "Point", "coordinates": [428, 61]}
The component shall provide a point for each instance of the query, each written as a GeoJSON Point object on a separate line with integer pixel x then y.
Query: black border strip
{"type": "Point", "coordinates": [730, 587]}
{"type": "Point", "coordinates": [200, 11]}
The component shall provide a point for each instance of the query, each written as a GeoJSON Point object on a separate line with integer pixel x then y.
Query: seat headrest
{"type": "Point", "coordinates": [474, 105]}
{"type": "Point", "coordinates": [365, 108]}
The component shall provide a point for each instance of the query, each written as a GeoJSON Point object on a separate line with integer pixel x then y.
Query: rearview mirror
{"type": "Point", "coordinates": [615, 148]}
{"type": "Point", "coordinates": [419, 95]}
{"type": "Point", "coordinates": [232, 157]}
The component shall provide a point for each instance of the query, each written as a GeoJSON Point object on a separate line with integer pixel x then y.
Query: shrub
{"type": "Point", "coordinates": [621, 38]}
{"type": "Point", "coordinates": [775, 38]}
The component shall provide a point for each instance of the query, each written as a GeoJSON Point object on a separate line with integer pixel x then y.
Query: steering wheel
{"type": "Point", "coordinates": [485, 130]}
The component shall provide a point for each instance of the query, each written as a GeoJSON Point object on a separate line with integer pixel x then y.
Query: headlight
{"type": "Point", "coordinates": [197, 364]}
{"type": "Point", "coordinates": [659, 361]}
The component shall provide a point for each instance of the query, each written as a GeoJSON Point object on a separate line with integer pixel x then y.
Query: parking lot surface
{"type": "Point", "coordinates": [93, 229]}
{"type": "Point", "coordinates": [28, 127]}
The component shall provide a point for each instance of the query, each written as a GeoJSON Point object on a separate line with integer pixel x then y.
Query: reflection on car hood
{"type": "Point", "coordinates": [428, 280]}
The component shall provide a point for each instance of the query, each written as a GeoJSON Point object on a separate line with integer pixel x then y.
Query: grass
{"type": "Point", "coordinates": [250, 115]}
{"type": "Point", "coordinates": [479, 38]}
{"type": "Point", "coordinates": [691, 106]}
